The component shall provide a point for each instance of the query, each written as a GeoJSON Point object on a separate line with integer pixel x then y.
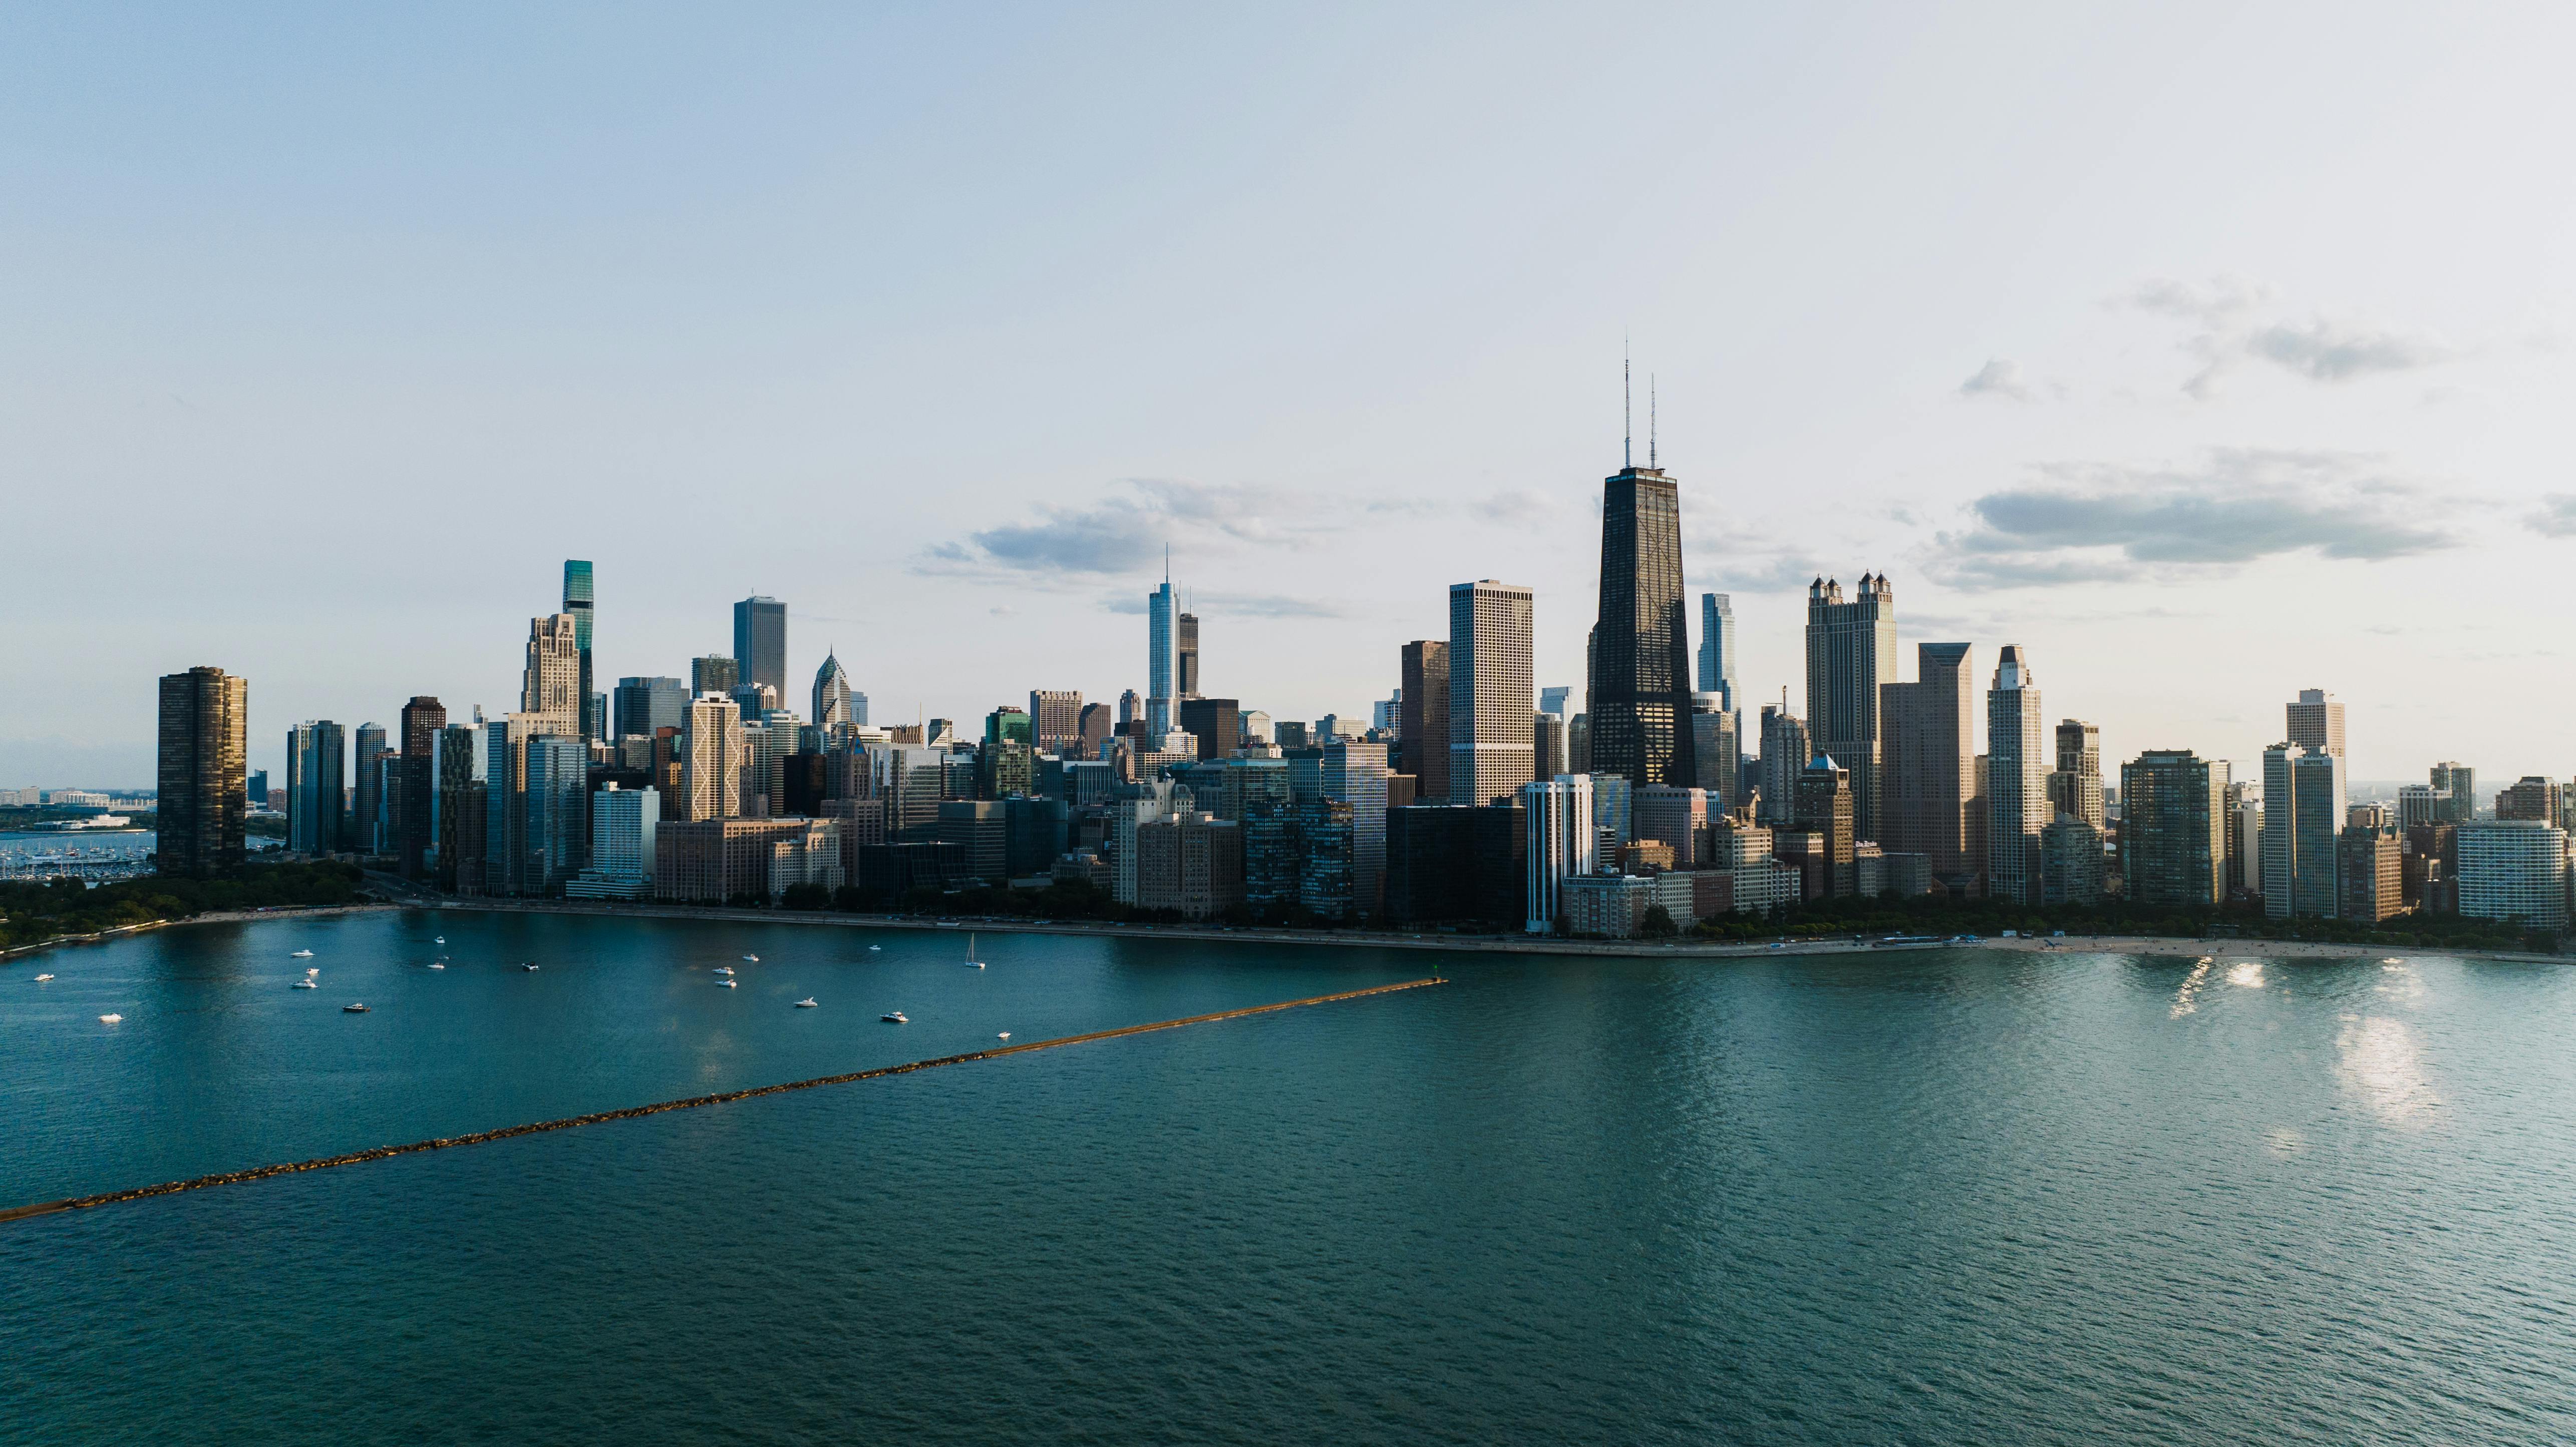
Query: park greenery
{"type": "Point", "coordinates": [33, 912]}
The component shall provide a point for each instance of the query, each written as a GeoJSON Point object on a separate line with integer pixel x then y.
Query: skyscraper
{"type": "Point", "coordinates": [1185, 653]}
{"type": "Point", "coordinates": [646, 704]}
{"type": "Point", "coordinates": [1717, 650]}
{"type": "Point", "coordinates": [317, 772]}
{"type": "Point", "coordinates": [1055, 717]}
{"type": "Point", "coordinates": [551, 682]}
{"type": "Point", "coordinates": [713, 673]}
{"type": "Point", "coordinates": [2016, 781]}
{"type": "Point", "coordinates": [832, 704]}
{"type": "Point", "coordinates": [2461, 782]}
{"type": "Point", "coordinates": [2174, 829]}
{"type": "Point", "coordinates": [1490, 717]}
{"type": "Point", "coordinates": [370, 805]}
{"type": "Point", "coordinates": [204, 750]}
{"type": "Point", "coordinates": [711, 754]}
{"type": "Point", "coordinates": [1355, 774]}
{"type": "Point", "coordinates": [2316, 721]}
{"type": "Point", "coordinates": [760, 642]}
{"type": "Point", "coordinates": [1851, 651]}
{"type": "Point", "coordinates": [1640, 702]}
{"type": "Point", "coordinates": [577, 601]}
{"type": "Point", "coordinates": [1562, 845]}
{"type": "Point", "coordinates": [422, 718]}
{"type": "Point", "coordinates": [1786, 749]}
{"type": "Point", "coordinates": [2075, 786]}
{"type": "Point", "coordinates": [1927, 766]}
{"type": "Point", "coordinates": [1717, 754]}
{"type": "Point", "coordinates": [1422, 720]}
{"type": "Point", "coordinates": [1160, 687]}
{"type": "Point", "coordinates": [2303, 814]}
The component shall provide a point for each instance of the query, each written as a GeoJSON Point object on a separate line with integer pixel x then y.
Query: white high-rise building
{"type": "Point", "coordinates": [1492, 725]}
{"type": "Point", "coordinates": [1563, 844]}
{"type": "Point", "coordinates": [551, 683]}
{"type": "Point", "coordinates": [711, 759]}
{"type": "Point", "coordinates": [2016, 780]}
{"type": "Point", "coordinates": [835, 704]}
{"type": "Point", "coordinates": [2514, 869]}
{"type": "Point", "coordinates": [621, 845]}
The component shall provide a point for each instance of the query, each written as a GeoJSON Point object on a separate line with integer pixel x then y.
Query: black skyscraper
{"type": "Point", "coordinates": [1641, 703]}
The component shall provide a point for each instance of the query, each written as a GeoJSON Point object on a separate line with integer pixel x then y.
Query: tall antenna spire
{"type": "Point", "coordinates": [1627, 411]}
{"type": "Point", "coordinates": [1650, 420]}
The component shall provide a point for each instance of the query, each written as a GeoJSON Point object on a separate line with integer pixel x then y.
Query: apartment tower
{"type": "Point", "coordinates": [204, 756]}
{"type": "Point", "coordinates": [1851, 651]}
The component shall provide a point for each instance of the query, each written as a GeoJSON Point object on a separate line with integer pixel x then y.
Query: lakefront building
{"type": "Point", "coordinates": [203, 753]}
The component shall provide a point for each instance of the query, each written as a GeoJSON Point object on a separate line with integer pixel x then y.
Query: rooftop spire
{"type": "Point", "coordinates": [1627, 411]}
{"type": "Point", "coordinates": [1650, 419]}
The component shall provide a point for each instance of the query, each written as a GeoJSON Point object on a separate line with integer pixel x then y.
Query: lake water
{"type": "Point", "coordinates": [1960, 1196]}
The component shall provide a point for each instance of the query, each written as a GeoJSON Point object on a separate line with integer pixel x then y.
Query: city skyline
{"type": "Point", "coordinates": [2117, 393]}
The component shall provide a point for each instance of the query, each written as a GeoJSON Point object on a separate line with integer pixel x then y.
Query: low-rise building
{"type": "Point", "coordinates": [1607, 906]}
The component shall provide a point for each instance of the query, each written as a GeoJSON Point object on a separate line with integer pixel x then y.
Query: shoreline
{"type": "Point", "coordinates": [1371, 939]}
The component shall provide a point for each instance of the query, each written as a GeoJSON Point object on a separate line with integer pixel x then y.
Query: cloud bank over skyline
{"type": "Point", "coordinates": [324, 351]}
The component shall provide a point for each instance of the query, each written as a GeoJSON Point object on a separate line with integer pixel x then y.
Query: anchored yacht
{"type": "Point", "coordinates": [353, 1009]}
{"type": "Point", "coordinates": [807, 1004]}
{"type": "Point", "coordinates": [894, 1017]}
{"type": "Point", "coordinates": [301, 955]}
{"type": "Point", "coordinates": [306, 985]}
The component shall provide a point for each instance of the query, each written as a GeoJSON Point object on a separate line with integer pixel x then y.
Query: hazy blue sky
{"type": "Point", "coordinates": [2208, 351]}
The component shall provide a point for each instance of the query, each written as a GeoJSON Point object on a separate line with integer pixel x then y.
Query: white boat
{"type": "Point", "coordinates": [972, 963]}
{"type": "Point", "coordinates": [724, 969]}
{"type": "Point", "coordinates": [435, 966]}
{"type": "Point", "coordinates": [1005, 1035]}
{"type": "Point", "coordinates": [728, 984]}
{"type": "Point", "coordinates": [109, 1019]}
{"type": "Point", "coordinates": [311, 970]}
{"type": "Point", "coordinates": [40, 979]}
{"type": "Point", "coordinates": [872, 949]}
{"type": "Point", "coordinates": [531, 969]}
{"type": "Point", "coordinates": [353, 1009]}
{"type": "Point", "coordinates": [807, 1004]}
{"type": "Point", "coordinates": [894, 1017]}
{"type": "Point", "coordinates": [306, 985]}
{"type": "Point", "coordinates": [301, 955]}
{"type": "Point", "coordinates": [442, 939]}
{"type": "Point", "coordinates": [751, 959]}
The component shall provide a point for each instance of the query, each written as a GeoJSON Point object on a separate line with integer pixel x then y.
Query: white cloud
{"type": "Point", "coordinates": [1999, 377]}
{"type": "Point", "coordinates": [2102, 522]}
{"type": "Point", "coordinates": [2322, 349]}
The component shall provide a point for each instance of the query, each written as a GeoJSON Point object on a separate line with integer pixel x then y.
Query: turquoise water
{"type": "Point", "coordinates": [1944, 1197]}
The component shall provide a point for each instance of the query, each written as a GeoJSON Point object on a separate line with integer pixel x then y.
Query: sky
{"type": "Point", "coordinates": [2207, 352]}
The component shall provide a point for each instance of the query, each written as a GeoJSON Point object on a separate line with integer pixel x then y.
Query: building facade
{"type": "Point", "coordinates": [1640, 685]}
{"type": "Point", "coordinates": [1927, 765]}
{"type": "Point", "coordinates": [1851, 653]}
{"type": "Point", "coordinates": [1563, 844]}
{"type": "Point", "coordinates": [1422, 718]}
{"type": "Point", "coordinates": [1491, 720]}
{"type": "Point", "coordinates": [1717, 650]}
{"type": "Point", "coordinates": [2016, 780]}
{"type": "Point", "coordinates": [760, 644]}
{"type": "Point", "coordinates": [2174, 848]}
{"type": "Point", "coordinates": [2513, 869]}
{"type": "Point", "coordinates": [2303, 815]}
{"type": "Point", "coordinates": [317, 773]}
{"type": "Point", "coordinates": [203, 754]}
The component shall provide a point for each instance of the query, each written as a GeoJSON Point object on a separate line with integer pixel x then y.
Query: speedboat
{"type": "Point", "coordinates": [531, 969]}
{"type": "Point", "coordinates": [436, 966]}
{"type": "Point", "coordinates": [1005, 1035]}
{"type": "Point", "coordinates": [301, 955]}
{"type": "Point", "coordinates": [306, 985]}
{"type": "Point", "coordinates": [442, 939]}
{"type": "Point", "coordinates": [807, 1004]}
{"type": "Point", "coordinates": [109, 1019]}
{"type": "Point", "coordinates": [729, 984]}
{"type": "Point", "coordinates": [40, 979]}
{"type": "Point", "coordinates": [751, 959]}
{"type": "Point", "coordinates": [872, 949]}
{"type": "Point", "coordinates": [724, 969]}
{"type": "Point", "coordinates": [353, 1009]}
{"type": "Point", "coordinates": [894, 1017]}
{"type": "Point", "coordinates": [312, 970]}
